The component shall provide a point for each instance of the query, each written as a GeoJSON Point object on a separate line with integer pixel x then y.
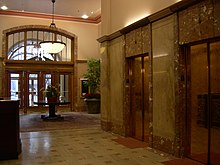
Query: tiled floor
{"type": "Point", "coordinates": [86, 146]}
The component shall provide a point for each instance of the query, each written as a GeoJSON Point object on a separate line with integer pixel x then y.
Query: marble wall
{"type": "Point", "coordinates": [117, 62]}
{"type": "Point", "coordinates": [138, 41]}
{"type": "Point", "coordinates": [163, 80]}
{"type": "Point", "coordinates": [161, 39]}
{"type": "Point", "coordinates": [115, 101]}
{"type": "Point", "coordinates": [112, 80]}
{"type": "Point", "coordinates": [104, 88]}
{"type": "Point", "coordinates": [200, 21]}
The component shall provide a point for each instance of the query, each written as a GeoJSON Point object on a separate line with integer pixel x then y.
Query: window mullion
{"type": "Point", "coordinates": [25, 44]}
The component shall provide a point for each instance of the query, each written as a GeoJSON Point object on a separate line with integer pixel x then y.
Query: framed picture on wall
{"type": "Point", "coordinates": [84, 87]}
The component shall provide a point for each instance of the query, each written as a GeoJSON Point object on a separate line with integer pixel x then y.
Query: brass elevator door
{"type": "Point", "coordinates": [139, 98]}
{"type": "Point", "coordinates": [203, 106]}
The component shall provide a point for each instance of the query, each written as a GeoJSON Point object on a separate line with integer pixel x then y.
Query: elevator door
{"type": "Point", "coordinates": [204, 102]}
{"type": "Point", "coordinates": [139, 98]}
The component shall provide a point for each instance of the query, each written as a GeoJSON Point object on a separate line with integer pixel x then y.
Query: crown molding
{"type": "Point", "coordinates": [95, 20]}
{"type": "Point", "coordinates": [150, 19]}
{"type": "Point", "coordinates": [109, 37]}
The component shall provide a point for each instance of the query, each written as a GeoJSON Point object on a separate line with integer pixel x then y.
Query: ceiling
{"type": "Point", "coordinates": [69, 8]}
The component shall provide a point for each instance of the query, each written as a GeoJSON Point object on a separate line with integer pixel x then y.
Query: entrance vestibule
{"type": "Point", "coordinates": [28, 69]}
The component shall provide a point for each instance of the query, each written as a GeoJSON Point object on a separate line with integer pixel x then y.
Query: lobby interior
{"type": "Point", "coordinates": [159, 83]}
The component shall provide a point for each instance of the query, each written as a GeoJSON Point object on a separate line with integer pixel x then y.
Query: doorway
{"type": "Point", "coordinates": [139, 96]}
{"type": "Point", "coordinates": [203, 102]}
{"type": "Point", "coordinates": [28, 86]}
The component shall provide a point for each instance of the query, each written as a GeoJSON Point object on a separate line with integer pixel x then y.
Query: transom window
{"type": "Point", "coordinates": [24, 45]}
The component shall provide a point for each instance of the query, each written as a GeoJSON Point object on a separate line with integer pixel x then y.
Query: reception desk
{"type": "Point", "coordinates": [10, 142]}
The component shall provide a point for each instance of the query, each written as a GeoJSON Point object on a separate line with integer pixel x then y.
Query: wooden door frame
{"type": "Point", "coordinates": [24, 78]}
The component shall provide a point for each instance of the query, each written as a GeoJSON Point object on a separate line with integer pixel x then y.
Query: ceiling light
{"type": "Point", "coordinates": [84, 16]}
{"type": "Point", "coordinates": [53, 46]}
{"type": "Point", "coordinates": [4, 7]}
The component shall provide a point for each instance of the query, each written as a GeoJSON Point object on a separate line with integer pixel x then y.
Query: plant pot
{"type": "Point", "coordinates": [93, 105]}
{"type": "Point", "coordinates": [52, 99]}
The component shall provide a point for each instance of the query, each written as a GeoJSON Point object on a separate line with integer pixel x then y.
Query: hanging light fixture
{"type": "Point", "coordinates": [3, 5]}
{"type": "Point", "coordinates": [53, 46]}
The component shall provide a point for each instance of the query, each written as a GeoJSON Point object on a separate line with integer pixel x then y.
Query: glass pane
{"type": "Point", "coordinates": [19, 44]}
{"type": "Point", "coordinates": [15, 86]}
{"type": "Point", "coordinates": [16, 50]}
{"type": "Point", "coordinates": [64, 87]}
{"type": "Point", "coordinates": [10, 45]}
{"type": "Point", "coordinates": [198, 101]}
{"type": "Point", "coordinates": [68, 55]}
{"type": "Point", "coordinates": [33, 89]}
{"type": "Point", "coordinates": [32, 51]}
{"type": "Point", "coordinates": [215, 102]}
{"type": "Point", "coordinates": [47, 81]}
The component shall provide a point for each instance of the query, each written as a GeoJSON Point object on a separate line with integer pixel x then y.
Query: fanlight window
{"type": "Point", "coordinates": [25, 46]}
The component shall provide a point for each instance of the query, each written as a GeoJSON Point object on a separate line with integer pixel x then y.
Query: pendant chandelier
{"type": "Point", "coordinates": [54, 46]}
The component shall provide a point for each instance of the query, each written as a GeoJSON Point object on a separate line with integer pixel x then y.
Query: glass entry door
{"type": "Point", "coordinates": [32, 89]}
{"type": "Point", "coordinates": [139, 98]}
{"type": "Point", "coordinates": [15, 86]}
{"type": "Point", "coordinates": [45, 81]}
{"type": "Point", "coordinates": [203, 93]}
{"type": "Point", "coordinates": [28, 87]}
{"type": "Point", "coordinates": [65, 87]}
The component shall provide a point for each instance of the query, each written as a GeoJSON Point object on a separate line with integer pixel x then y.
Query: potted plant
{"type": "Point", "coordinates": [92, 75]}
{"type": "Point", "coordinates": [51, 93]}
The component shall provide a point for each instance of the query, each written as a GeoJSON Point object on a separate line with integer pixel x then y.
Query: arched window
{"type": "Point", "coordinates": [24, 45]}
